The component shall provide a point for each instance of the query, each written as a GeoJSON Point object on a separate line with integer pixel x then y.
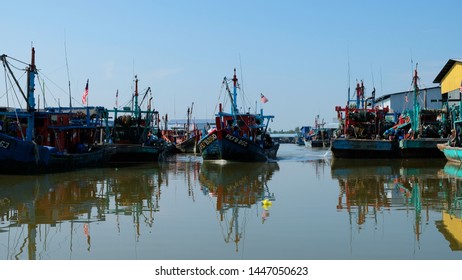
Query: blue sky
{"type": "Point", "coordinates": [294, 52]}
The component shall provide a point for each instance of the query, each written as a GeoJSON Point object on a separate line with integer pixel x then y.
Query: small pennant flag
{"type": "Point", "coordinates": [117, 98]}
{"type": "Point", "coordinates": [263, 98]}
{"type": "Point", "coordinates": [85, 95]}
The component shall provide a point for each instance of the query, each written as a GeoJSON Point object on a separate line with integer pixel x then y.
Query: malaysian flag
{"type": "Point", "coordinates": [263, 98]}
{"type": "Point", "coordinates": [85, 95]}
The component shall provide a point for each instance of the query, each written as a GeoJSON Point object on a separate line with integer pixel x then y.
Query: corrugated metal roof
{"type": "Point", "coordinates": [387, 96]}
{"type": "Point", "coordinates": [446, 69]}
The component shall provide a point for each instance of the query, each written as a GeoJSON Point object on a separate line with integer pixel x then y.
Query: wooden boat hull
{"type": "Point", "coordinates": [317, 143]}
{"type": "Point", "coordinates": [421, 147]}
{"type": "Point", "coordinates": [229, 147]}
{"type": "Point", "coordinates": [367, 148]}
{"type": "Point", "coordinates": [140, 153]}
{"type": "Point", "coordinates": [188, 146]}
{"type": "Point", "coordinates": [24, 157]}
{"type": "Point", "coordinates": [364, 148]}
{"type": "Point", "coordinates": [453, 154]}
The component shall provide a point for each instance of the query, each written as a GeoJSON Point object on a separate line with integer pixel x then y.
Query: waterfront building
{"type": "Point", "coordinates": [403, 101]}
{"type": "Point", "coordinates": [450, 80]}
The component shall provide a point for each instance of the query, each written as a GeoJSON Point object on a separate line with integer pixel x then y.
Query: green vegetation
{"type": "Point", "coordinates": [282, 131]}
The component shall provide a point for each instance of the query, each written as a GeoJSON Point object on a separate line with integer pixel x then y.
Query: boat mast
{"type": "Point", "coordinates": [360, 95]}
{"type": "Point", "coordinates": [31, 72]}
{"type": "Point", "coordinates": [135, 104]}
{"type": "Point", "coordinates": [232, 96]}
{"type": "Point", "coordinates": [186, 129]}
{"type": "Point", "coordinates": [188, 121]}
{"type": "Point", "coordinates": [416, 110]}
{"type": "Point", "coordinates": [234, 103]}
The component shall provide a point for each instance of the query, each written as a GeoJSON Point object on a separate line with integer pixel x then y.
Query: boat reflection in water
{"type": "Point", "coordinates": [237, 186]}
{"type": "Point", "coordinates": [372, 187]}
{"type": "Point", "coordinates": [451, 224]}
{"type": "Point", "coordinates": [48, 205]}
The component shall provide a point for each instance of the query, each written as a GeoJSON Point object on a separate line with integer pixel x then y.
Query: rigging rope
{"type": "Point", "coordinates": [48, 89]}
{"type": "Point", "coordinates": [6, 88]}
{"type": "Point", "coordinates": [15, 94]}
{"type": "Point", "coordinates": [17, 60]}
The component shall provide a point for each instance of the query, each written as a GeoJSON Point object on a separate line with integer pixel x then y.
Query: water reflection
{"type": "Point", "coordinates": [43, 202]}
{"type": "Point", "coordinates": [237, 186]}
{"type": "Point", "coordinates": [187, 209]}
{"type": "Point", "coordinates": [451, 224]}
{"type": "Point", "coordinates": [421, 187]}
{"type": "Point", "coordinates": [43, 213]}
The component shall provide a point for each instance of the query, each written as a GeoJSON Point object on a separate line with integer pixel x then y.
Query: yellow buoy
{"type": "Point", "coordinates": [266, 203]}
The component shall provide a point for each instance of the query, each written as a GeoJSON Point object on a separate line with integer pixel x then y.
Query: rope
{"type": "Point", "coordinates": [48, 89]}
{"type": "Point", "coordinates": [19, 124]}
{"type": "Point", "coordinates": [218, 101]}
{"type": "Point", "coordinates": [17, 60]}
{"type": "Point", "coordinates": [6, 88]}
{"type": "Point", "coordinates": [12, 87]}
{"type": "Point", "coordinates": [17, 68]}
{"type": "Point", "coordinates": [43, 92]}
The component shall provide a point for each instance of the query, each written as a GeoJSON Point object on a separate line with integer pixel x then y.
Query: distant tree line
{"type": "Point", "coordinates": [282, 131]}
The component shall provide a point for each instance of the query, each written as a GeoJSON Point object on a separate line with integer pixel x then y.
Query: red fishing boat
{"type": "Point", "coordinates": [238, 136]}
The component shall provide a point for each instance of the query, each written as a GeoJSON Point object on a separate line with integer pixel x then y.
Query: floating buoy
{"type": "Point", "coordinates": [266, 203]}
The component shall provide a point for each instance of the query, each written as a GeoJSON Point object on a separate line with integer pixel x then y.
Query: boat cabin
{"type": "Point", "coordinates": [67, 131]}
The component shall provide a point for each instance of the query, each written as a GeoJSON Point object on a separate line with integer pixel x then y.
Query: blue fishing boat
{"type": "Point", "coordinates": [238, 136]}
{"type": "Point", "coordinates": [48, 140]}
{"type": "Point", "coordinates": [302, 135]}
{"type": "Point", "coordinates": [452, 149]}
{"type": "Point", "coordinates": [318, 136]}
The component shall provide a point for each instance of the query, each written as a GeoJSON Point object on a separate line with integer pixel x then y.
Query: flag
{"type": "Point", "coordinates": [117, 97]}
{"type": "Point", "coordinates": [263, 98]}
{"type": "Point", "coordinates": [460, 89]}
{"type": "Point", "coordinates": [85, 95]}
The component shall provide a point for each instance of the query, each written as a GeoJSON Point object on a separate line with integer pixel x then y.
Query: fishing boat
{"type": "Point", "coordinates": [424, 129]}
{"type": "Point", "coordinates": [318, 136]}
{"type": "Point", "coordinates": [452, 149]}
{"type": "Point", "coordinates": [135, 133]}
{"type": "Point", "coordinates": [302, 134]}
{"type": "Point", "coordinates": [47, 140]}
{"type": "Point", "coordinates": [189, 142]}
{"type": "Point", "coordinates": [238, 136]}
{"type": "Point", "coordinates": [361, 127]}
{"type": "Point", "coordinates": [375, 133]}
{"type": "Point", "coordinates": [184, 136]}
